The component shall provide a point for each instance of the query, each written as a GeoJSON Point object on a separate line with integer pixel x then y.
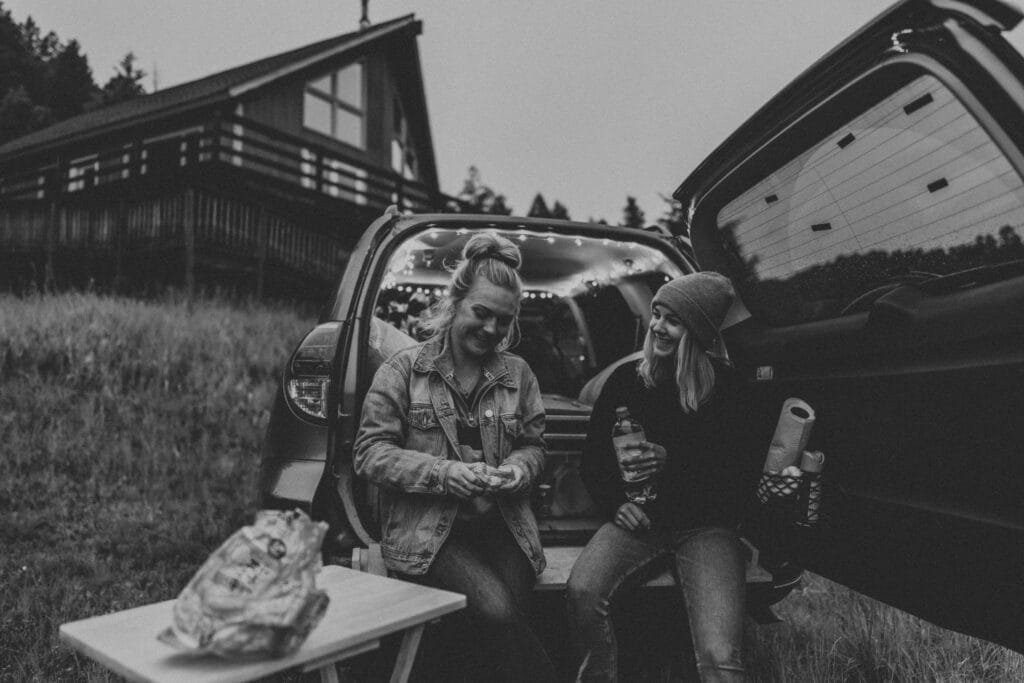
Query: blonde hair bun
{"type": "Point", "coordinates": [486, 245]}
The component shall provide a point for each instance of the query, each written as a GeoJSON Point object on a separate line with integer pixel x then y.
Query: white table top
{"type": "Point", "coordinates": [363, 608]}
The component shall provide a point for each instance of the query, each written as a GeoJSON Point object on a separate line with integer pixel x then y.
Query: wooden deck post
{"type": "Point", "coordinates": [263, 219]}
{"type": "Point", "coordinates": [120, 227]}
{"type": "Point", "coordinates": [190, 227]}
{"type": "Point", "coordinates": [54, 226]}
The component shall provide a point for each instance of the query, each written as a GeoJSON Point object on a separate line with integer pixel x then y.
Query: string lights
{"type": "Point", "coordinates": [414, 266]}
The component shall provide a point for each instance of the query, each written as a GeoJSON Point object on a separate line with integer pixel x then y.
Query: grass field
{"type": "Point", "coordinates": [129, 441]}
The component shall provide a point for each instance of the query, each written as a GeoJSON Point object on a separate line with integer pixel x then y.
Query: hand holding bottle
{"type": "Point", "coordinates": [644, 459]}
{"type": "Point", "coordinates": [638, 458]}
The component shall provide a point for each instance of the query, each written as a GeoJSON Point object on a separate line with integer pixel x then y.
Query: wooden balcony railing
{"type": "Point", "coordinates": [234, 141]}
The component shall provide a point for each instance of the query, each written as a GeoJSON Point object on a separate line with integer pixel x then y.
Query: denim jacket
{"type": "Point", "coordinates": [407, 442]}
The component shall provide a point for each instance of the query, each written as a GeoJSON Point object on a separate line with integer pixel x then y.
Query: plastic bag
{"type": "Point", "coordinates": [256, 594]}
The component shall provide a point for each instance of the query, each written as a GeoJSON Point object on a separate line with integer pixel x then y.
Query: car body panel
{"type": "Point", "coordinates": [916, 380]}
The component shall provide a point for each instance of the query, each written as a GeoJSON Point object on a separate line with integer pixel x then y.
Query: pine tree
{"type": "Point", "coordinates": [539, 208]}
{"type": "Point", "coordinates": [126, 83]}
{"type": "Point", "coordinates": [632, 215]}
{"type": "Point", "coordinates": [674, 219]}
{"type": "Point", "coordinates": [479, 198]}
{"type": "Point", "coordinates": [69, 83]}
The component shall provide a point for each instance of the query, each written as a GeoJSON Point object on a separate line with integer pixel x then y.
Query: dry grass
{"type": "Point", "coordinates": [830, 633]}
{"type": "Point", "coordinates": [130, 435]}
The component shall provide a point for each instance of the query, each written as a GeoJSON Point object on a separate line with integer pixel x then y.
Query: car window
{"type": "Point", "coordinates": [909, 189]}
{"type": "Point", "coordinates": [585, 303]}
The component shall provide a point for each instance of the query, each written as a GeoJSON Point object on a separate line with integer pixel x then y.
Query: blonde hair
{"type": "Point", "coordinates": [485, 255]}
{"type": "Point", "coordinates": [689, 368]}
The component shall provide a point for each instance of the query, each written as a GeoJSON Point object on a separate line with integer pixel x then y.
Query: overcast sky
{"type": "Point", "coordinates": [586, 101]}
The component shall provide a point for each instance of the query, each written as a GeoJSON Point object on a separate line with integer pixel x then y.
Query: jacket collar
{"type": "Point", "coordinates": [435, 355]}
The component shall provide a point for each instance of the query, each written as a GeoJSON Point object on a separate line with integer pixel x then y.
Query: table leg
{"type": "Point", "coordinates": [407, 654]}
{"type": "Point", "coordinates": [329, 673]}
{"type": "Point", "coordinates": [326, 665]}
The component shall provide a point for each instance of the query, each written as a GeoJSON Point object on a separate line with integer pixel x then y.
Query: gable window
{"type": "Point", "coordinates": [403, 149]}
{"type": "Point", "coordinates": [335, 105]}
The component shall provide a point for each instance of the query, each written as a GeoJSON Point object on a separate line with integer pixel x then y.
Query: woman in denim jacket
{"type": "Point", "coordinates": [451, 432]}
{"type": "Point", "coordinates": [696, 416]}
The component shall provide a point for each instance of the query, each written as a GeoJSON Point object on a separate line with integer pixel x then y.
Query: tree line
{"type": "Point", "coordinates": [478, 197]}
{"type": "Point", "coordinates": [44, 80]}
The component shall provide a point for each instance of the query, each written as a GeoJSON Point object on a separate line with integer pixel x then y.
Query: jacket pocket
{"type": "Point", "coordinates": [425, 432]}
{"type": "Point", "coordinates": [512, 425]}
{"type": "Point", "coordinates": [511, 430]}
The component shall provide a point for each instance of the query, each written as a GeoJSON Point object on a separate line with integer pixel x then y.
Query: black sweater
{"type": "Point", "coordinates": [713, 455]}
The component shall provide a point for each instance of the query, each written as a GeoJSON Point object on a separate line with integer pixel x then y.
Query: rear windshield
{"type": "Point", "coordinates": [909, 189]}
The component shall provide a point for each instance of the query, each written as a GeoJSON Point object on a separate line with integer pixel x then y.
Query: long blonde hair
{"type": "Point", "coordinates": [487, 255]}
{"type": "Point", "coordinates": [689, 368]}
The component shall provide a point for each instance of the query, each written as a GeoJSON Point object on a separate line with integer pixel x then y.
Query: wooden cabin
{"type": "Point", "coordinates": [256, 180]}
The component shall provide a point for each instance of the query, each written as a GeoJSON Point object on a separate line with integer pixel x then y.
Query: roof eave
{"type": "Point", "coordinates": [369, 36]}
{"type": "Point", "coordinates": [208, 102]}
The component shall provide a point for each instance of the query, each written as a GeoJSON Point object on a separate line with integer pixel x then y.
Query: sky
{"type": "Point", "coordinates": [585, 101]}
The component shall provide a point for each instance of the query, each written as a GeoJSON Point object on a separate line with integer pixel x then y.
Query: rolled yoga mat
{"type": "Point", "coordinates": [791, 435]}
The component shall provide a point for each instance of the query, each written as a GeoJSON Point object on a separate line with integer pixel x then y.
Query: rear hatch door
{"type": "Point", "coordinates": [871, 216]}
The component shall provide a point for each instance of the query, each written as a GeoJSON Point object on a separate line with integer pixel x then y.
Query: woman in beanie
{"type": "Point", "coordinates": [451, 433]}
{"type": "Point", "coordinates": [684, 394]}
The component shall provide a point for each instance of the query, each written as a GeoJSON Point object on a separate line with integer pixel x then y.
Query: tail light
{"type": "Point", "coordinates": [307, 377]}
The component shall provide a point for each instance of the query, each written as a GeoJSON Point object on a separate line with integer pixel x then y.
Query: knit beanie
{"type": "Point", "coordinates": [701, 301]}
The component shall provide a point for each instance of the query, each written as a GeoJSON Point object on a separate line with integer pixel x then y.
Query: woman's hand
{"type": "Point", "coordinates": [515, 480]}
{"type": "Point", "coordinates": [631, 517]}
{"type": "Point", "coordinates": [645, 459]}
{"type": "Point", "coordinates": [462, 482]}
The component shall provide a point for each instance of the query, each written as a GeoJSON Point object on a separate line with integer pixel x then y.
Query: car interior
{"type": "Point", "coordinates": [585, 307]}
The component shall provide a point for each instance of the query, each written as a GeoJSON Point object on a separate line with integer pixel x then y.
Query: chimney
{"type": "Point", "coordinates": [364, 21]}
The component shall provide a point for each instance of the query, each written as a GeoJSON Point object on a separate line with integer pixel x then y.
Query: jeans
{"type": "Point", "coordinates": [482, 560]}
{"type": "Point", "coordinates": [710, 569]}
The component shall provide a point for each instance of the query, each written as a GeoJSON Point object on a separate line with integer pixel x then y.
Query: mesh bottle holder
{"type": "Point", "coordinates": [794, 500]}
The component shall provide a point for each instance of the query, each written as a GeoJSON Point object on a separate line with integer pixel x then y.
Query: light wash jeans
{"type": "Point", "coordinates": [710, 569]}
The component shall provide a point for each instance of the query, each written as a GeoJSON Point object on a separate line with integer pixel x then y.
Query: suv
{"type": "Point", "coordinates": [870, 216]}
{"type": "Point", "coordinates": [586, 304]}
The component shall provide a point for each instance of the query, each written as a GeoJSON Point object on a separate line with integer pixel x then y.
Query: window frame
{"type": "Point", "coordinates": [405, 141]}
{"type": "Point", "coordinates": [335, 101]}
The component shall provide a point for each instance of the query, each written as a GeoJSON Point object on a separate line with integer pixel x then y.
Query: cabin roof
{"type": "Point", "coordinates": [222, 86]}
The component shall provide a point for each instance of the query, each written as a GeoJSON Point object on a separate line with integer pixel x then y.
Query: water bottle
{"type": "Point", "coordinates": [627, 434]}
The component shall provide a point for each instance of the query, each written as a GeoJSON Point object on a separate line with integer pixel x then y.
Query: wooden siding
{"type": "Point", "coordinates": [188, 236]}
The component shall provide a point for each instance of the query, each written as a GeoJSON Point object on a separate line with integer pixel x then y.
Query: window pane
{"type": "Point", "coordinates": [316, 114]}
{"type": "Point", "coordinates": [349, 127]}
{"type": "Point", "coordinates": [322, 85]}
{"type": "Point", "coordinates": [397, 155]}
{"type": "Point", "coordinates": [409, 169]}
{"type": "Point", "coordinates": [350, 85]}
{"type": "Point", "coordinates": [911, 187]}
